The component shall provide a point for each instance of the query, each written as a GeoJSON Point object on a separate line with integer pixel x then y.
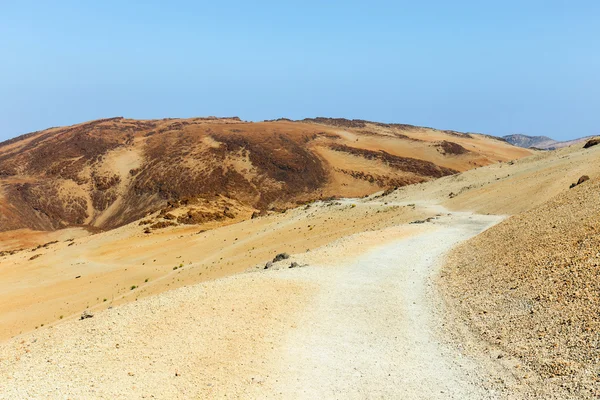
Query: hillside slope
{"type": "Point", "coordinates": [530, 286]}
{"type": "Point", "coordinates": [107, 173]}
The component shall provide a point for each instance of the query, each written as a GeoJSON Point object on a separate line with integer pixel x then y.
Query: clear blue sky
{"type": "Point", "coordinates": [500, 67]}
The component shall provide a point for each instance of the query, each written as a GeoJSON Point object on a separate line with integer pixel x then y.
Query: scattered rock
{"type": "Point", "coordinates": [583, 179]}
{"type": "Point", "coordinates": [162, 224]}
{"type": "Point", "coordinates": [169, 216]}
{"type": "Point", "coordinates": [580, 181]}
{"type": "Point", "coordinates": [422, 221]}
{"type": "Point", "coordinates": [86, 314]}
{"type": "Point", "coordinates": [294, 265]}
{"type": "Point", "coordinates": [268, 265]}
{"type": "Point", "coordinates": [281, 256]}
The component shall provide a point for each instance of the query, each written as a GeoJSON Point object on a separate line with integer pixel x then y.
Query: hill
{"type": "Point", "coordinates": [529, 287]}
{"type": "Point", "coordinates": [541, 142]}
{"type": "Point", "coordinates": [107, 173]}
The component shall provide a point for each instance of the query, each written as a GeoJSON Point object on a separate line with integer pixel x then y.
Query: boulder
{"type": "Point", "coordinates": [583, 179]}
{"type": "Point", "coordinates": [86, 314]}
{"type": "Point", "coordinates": [281, 256]}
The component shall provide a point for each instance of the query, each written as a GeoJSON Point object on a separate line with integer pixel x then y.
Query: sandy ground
{"type": "Point", "coordinates": [333, 329]}
{"type": "Point", "coordinates": [39, 286]}
{"type": "Point", "coordinates": [507, 188]}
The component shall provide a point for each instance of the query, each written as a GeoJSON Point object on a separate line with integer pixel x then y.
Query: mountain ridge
{"type": "Point", "coordinates": [541, 142]}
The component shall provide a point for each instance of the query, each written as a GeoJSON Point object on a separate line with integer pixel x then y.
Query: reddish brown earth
{"type": "Point", "coordinates": [107, 173]}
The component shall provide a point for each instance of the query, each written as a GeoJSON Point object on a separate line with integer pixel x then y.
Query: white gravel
{"type": "Point", "coordinates": [369, 333]}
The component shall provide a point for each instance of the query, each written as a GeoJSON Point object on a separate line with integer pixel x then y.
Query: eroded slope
{"type": "Point", "coordinates": [107, 173]}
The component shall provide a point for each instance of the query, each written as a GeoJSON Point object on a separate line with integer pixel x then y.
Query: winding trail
{"type": "Point", "coordinates": [369, 334]}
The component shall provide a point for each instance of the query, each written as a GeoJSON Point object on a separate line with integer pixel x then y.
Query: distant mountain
{"type": "Point", "coordinates": [540, 142]}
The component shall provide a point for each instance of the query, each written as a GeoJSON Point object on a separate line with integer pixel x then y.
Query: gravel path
{"type": "Point", "coordinates": [361, 330]}
{"type": "Point", "coordinates": [370, 332]}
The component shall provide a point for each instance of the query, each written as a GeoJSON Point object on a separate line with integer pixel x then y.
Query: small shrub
{"type": "Point", "coordinates": [133, 287]}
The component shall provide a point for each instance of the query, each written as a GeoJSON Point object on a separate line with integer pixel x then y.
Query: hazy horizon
{"type": "Point", "coordinates": [498, 69]}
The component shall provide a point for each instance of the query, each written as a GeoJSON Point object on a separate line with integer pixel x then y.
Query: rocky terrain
{"type": "Point", "coordinates": [530, 287]}
{"type": "Point", "coordinates": [541, 142]}
{"type": "Point", "coordinates": [107, 173]}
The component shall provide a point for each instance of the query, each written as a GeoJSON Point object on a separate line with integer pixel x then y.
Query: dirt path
{"type": "Point", "coordinates": [361, 329]}
{"type": "Point", "coordinates": [369, 333]}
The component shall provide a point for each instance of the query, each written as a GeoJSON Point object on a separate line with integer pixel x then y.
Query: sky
{"type": "Point", "coordinates": [495, 67]}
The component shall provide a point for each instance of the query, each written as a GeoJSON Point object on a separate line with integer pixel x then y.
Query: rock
{"type": "Point", "coordinates": [580, 181]}
{"type": "Point", "coordinates": [228, 213]}
{"type": "Point", "coordinates": [294, 265]}
{"type": "Point", "coordinates": [422, 221]}
{"type": "Point", "coordinates": [281, 256]}
{"type": "Point", "coordinates": [86, 314]}
{"type": "Point", "coordinates": [255, 214]}
{"type": "Point", "coordinates": [268, 265]}
{"type": "Point", "coordinates": [591, 142]}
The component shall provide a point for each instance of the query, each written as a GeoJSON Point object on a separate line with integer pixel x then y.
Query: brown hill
{"type": "Point", "coordinates": [107, 173]}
